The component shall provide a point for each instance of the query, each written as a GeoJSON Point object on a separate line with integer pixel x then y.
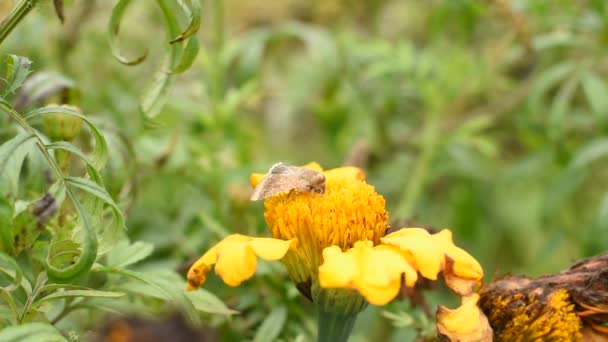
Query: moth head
{"type": "Point", "coordinates": [317, 183]}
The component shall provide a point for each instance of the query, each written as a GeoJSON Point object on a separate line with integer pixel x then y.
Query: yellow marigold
{"type": "Point", "coordinates": [349, 211]}
{"type": "Point", "coordinates": [334, 242]}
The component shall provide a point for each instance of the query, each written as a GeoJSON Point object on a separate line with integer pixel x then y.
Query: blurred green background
{"type": "Point", "coordinates": [485, 117]}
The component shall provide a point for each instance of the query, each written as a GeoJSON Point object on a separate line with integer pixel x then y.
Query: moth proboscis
{"type": "Point", "coordinates": [283, 177]}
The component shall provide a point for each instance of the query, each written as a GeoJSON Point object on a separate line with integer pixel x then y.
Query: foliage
{"type": "Point", "coordinates": [486, 117]}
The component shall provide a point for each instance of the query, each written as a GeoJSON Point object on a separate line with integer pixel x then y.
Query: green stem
{"type": "Point", "coordinates": [89, 244]}
{"type": "Point", "coordinates": [217, 72]}
{"type": "Point", "coordinates": [334, 327]}
{"type": "Point", "coordinates": [18, 13]}
{"type": "Point", "coordinates": [416, 183]}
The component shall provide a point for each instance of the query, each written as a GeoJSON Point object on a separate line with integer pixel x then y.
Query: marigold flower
{"type": "Point", "coordinates": [334, 243]}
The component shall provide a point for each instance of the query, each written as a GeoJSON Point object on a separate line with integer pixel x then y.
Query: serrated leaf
{"type": "Point", "coordinates": [205, 301]}
{"type": "Point", "coordinates": [272, 325]}
{"type": "Point", "coordinates": [99, 192]}
{"type": "Point", "coordinates": [78, 293]}
{"type": "Point", "coordinates": [125, 254]}
{"type": "Point", "coordinates": [99, 156]}
{"type": "Point", "coordinates": [66, 146]}
{"type": "Point", "coordinates": [12, 154]}
{"type": "Point", "coordinates": [114, 27]}
{"type": "Point", "coordinates": [31, 332]}
{"type": "Point", "coordinates": [17, 69]}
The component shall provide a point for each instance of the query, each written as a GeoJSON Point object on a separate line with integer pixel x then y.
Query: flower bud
{"type": "Point", "coordinates": [61, 126]}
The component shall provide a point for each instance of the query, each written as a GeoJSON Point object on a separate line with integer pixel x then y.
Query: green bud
{"type": "Point", "coordinates": [60, 126]}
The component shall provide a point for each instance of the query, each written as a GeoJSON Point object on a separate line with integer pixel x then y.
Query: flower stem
{"type": "Point", "coordinates": [18, 13]}
{"type": "Point", "coordinates": [334, 327]}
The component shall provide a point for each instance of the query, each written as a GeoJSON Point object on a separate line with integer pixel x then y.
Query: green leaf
{"type": "Point", "coordinates": [167, 285]}
{"type": "Point", "coordinates": [114, 27]}
{"type": "Point", "coordinates": [205, 301]}
{"type": "Point", "coordinates": [194, 11]}
{"type": "Point", "coordinates": [125, 254]}
{"type": "Point", "coordinates": [12, 154]}
{"type": "Point", "coordinates": [590, 153]}
{"type": "Point", "coordinates": [7, 237]}
{"type": "Point", "coordinates": [99, 192]}
{"type": "Point", "coordinates": [17, 69]}
{"type": "Point", "coordinates": [78, 293]}
{"type": "Point", "coordinates": [596, 93]}
{"type": "Point", "coordinates": [66, 146]}
{"type": "Point", "coordinates": [272, 325]}
{"type": "Point", "coordinates": [156, 95]}
{"type": "Point", "coordinates": [10, 267]}
{"type": "Point", "coordinates": [32, 332]}
{"type": "Point", "coordinates": [188, 56]}
{"type": "Point", "coordinates": [547, 80]}
{"type": "Point", "coordinates": [560, 190]}
{"type": "Point", "coordinates": [99, 155]}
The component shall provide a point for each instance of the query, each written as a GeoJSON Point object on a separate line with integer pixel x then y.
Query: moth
{"type": "Point", "coordinates": [283, 177]}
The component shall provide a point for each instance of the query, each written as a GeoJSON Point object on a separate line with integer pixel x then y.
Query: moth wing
{"type": "Point", "coordinates": [283, 168]}
{"type": "Point", "coordinates": [274, 184]}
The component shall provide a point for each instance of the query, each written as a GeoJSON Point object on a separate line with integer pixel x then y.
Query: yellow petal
{"type": "Point", "coordinates": [427, 256]}
{"type": "Point", "coordinates": [346, 172]}
{"type": "Point", "coordinates": [338, 270]}
{"type": "Point", "coordinates": [374, 271]}
{"type": "Point", "coordinates": [198, 271]}
{"type": "Point", "coordinates": [235, 258]}
{"type": "Point", "coordinates": [236, 262]}
{"type": "Point", "coordinates": [464, 324]}
{"type": "Point", "coordinates": [430, 252]}
{"type": "Point", "coordinates": [271, 249]}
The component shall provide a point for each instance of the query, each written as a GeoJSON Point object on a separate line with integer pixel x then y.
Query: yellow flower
{"type": "Point", "coordinates": [334, 243]}
{"type": "Point", "coordinates": [349, 211]}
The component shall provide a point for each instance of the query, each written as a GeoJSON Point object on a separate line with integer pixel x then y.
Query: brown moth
{"type": "Point", "coordinates": [284, 177]}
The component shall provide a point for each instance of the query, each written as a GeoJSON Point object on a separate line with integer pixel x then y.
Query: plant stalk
{"type": "Point", "coordinates": [16, 15]}
{"type": "Point", "coordinates": [334, 327]}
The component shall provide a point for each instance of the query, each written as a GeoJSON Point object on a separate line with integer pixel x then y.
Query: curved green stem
{"type": "Point", "coordinates": [16, 15]}
{"type": "Point", "coordinates": [334, 327]}
{"type": "Point", "coordinates": [89, 243]}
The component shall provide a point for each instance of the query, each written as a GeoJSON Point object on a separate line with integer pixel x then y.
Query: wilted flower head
{"type": "Point", "coordinates": [561, 307]}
